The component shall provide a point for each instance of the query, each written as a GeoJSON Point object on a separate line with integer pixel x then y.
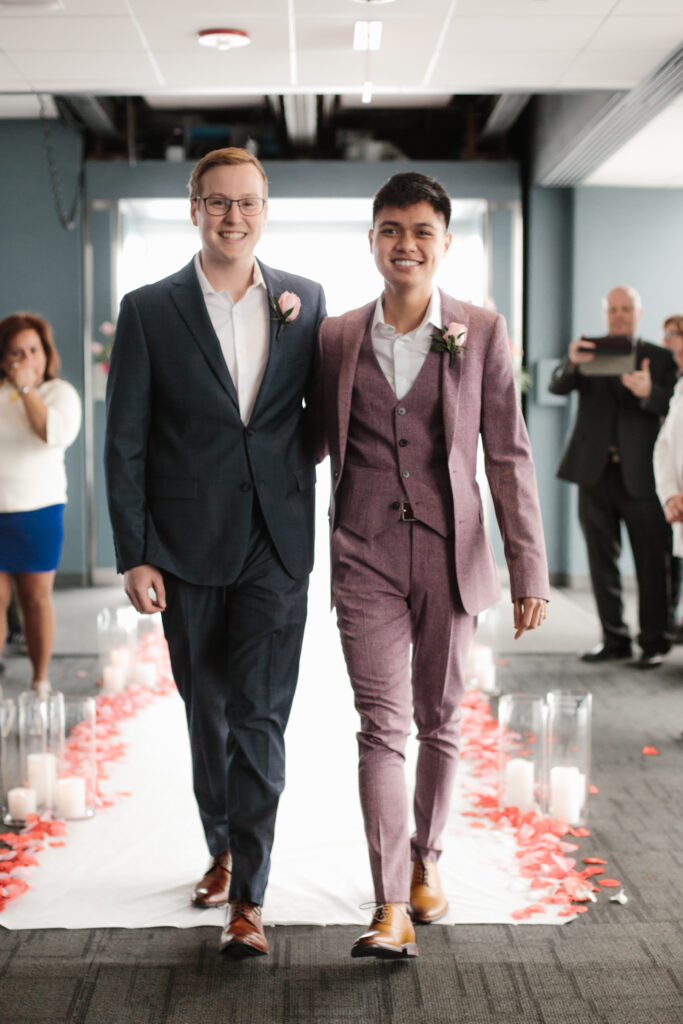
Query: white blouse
{"type": "Point", "coordinates": [32, 473]}
{"type": "Point", "coordinates": [668, 460]}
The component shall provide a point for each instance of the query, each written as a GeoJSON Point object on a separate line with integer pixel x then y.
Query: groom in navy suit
{"type": "Point", "coordinates": [210, 478]}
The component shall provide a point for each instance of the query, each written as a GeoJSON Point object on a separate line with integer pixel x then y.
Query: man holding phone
{"type": "Point", "coordinates": [609, 455]}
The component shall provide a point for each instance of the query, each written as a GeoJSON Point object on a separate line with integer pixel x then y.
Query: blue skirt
{"type": "Point", "coordinates": [31, 541]}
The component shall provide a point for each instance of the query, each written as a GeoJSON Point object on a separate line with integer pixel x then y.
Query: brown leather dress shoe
{"type": "Point", "coordinates": [390, 936]}
{"type": "Point", "coordinates": [212, 890]}
{"type": "Point", "coordinates": [243, 933]}
{"type": "Point", "coordinates": [428, 902]}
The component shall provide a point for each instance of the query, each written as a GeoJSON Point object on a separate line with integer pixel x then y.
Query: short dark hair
{"type": "Point", "coordinates": [17, 322]}
{"type": "Point", "coordinates": [410, 188]}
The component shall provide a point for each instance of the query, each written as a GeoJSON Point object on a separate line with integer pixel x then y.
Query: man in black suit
{"type": "Point", "coordinates": [210, 477]}
{"type": "Point", "coordinates": [609, 455]}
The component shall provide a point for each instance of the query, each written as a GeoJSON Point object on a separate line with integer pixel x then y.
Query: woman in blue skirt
{"type": "Point", "coordinates": [40, 416]}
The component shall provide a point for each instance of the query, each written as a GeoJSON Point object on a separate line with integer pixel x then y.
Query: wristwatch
{"type": "Point", "coordinates": [24, 389]}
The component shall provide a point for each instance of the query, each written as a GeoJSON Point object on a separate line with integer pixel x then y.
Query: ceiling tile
{"type": "Point", "coordinates": [228, 14]}
{"type": "Point", "coordinates": [652, 9]}
{"type": "Point", "coordinates": [84, 69]}
{"type": "Point", "coordinates": [179, 33]}
{"type": "Point", "coordinates": [532, 8]}
{"type": "Point", "coordinates": [234, 71]}
{"type": "Point", "coordinates": [493, 72]}
{"type": "Point", "coordinates": [55, 33]}
{"type": "Point", "coordinates": [608, 69]}
{"type": "Point", "coordinates": [507, 34]}
{"type": "Point", "coordinates": [644, 33]}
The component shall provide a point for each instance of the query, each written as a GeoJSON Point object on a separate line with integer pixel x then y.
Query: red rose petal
{"type": "Point", "coordinates": [609, 883]}
{"type": "Point", "coordinates": [594, 860]}
{"type": "Point", "coordinates": [650, 751]}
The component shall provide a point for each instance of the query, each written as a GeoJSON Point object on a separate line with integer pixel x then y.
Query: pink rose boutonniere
{"type": "Point", "coordinates": [450, 339]}
{"type": "Point", "coordinates": [286, 309]}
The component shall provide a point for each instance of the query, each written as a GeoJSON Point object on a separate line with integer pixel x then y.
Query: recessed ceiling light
{"type": "Point", "coordinates": [223, 38]}
{"type": "Point", "coordinates": [367, 35]}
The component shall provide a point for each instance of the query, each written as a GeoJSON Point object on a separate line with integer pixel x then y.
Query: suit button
{"type": "Point", "coordinates": [250, 433]}
{"type": "Point", "coordinates": [402, 443]}
{"type": "Point", "coordinates": [245, 487]}
{"type": "Point", "coordinates": [400, 411]}
{"type": "Point", "coordinates": [396, 505]}
{"type": "Point", "coordinates": [405, 473]}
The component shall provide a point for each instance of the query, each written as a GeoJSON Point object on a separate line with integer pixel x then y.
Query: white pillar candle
{"type": "Point", "coordinates": [113, 679]}
{"type": "Point", "coordinates": [42, 777]}
{"type": "Point", "coordinates": [120, 657]}
{"type": "Point", "coordinates": [71, 797]}
{"type": "Point", "coordinates": [146, 673]}
{"type": "Point", "coordinates": [487, 677]}
{"type": "Point", "coordinates": [20, 802]}
{"type": "Point", "coordinates": [567, 793]}
{"type": "Point", "coordinates": [519, 784]}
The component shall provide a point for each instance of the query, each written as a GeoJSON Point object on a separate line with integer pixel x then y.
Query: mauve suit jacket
{"type": "Point", "coordinates": [181, 466]}
{"type": "Point", "coordinates": [479, 397]}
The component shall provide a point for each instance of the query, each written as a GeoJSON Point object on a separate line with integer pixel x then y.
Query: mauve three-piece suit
{"type": "Point", "coordinates": [396, 583]}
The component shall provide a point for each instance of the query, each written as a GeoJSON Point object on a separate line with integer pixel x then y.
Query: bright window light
{"type": "Point", "coordinates": [367, 35]}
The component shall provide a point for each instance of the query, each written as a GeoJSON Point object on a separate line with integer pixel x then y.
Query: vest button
{"type": "Point", "coordinates": [402, 443]}
{"type": "Point", "coordinates": [396, 505]}
{"type": "Point", "coordinates": [400, 411]}
{"type": "Point", "coordinates": [245, 487]}
{"type": "Point", "coordinates": [336, 474]}
{"type": "Point", "coordinates": [405, 473]}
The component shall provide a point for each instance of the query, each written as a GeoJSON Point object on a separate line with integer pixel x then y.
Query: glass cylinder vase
{"type": "Point", "coordinates": [521, 750]}
{"type": "Point", "coordinates": [569, 755]}
{"type": "Point", "coordinates": [16, 801]}
{"type": "Point", "coordinates": [77, 768]}
{"type": "Point", "coordinates": [41, 741]}
{"type": "Point", "coordinates": [116, 638]}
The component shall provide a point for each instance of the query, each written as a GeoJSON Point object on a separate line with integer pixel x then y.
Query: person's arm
{"type": "Point", "coordinates": [565, 377]}
{"type": "Point", "coordinates": [512, 479]}
{"type": "Point", "coordinates": [25, 380]}
{"type": "Point", "coordinates": [667, 477]}
{"type": "Point", "coordinates": [663, 373]}
{"type": "Point", "coordinates": [129, 400]}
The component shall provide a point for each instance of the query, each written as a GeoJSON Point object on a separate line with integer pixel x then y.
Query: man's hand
{"type": "Point", "coordinates": [138, 581]}
{"type": "Point", "coordinates": [576, 356]}
{"type": "Point", "coordinates": [529, 612]}
{"type": "Point", "coordinates": [673, 510]}
{"type": "Point", "coordinates": [640, 381]}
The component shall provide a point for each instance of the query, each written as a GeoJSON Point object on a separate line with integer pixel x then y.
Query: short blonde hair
{"type": "Point", "coordinates": [229, 156]}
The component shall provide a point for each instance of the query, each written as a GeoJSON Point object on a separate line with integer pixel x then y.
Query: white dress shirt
{"type": "Point", "coordinates": [32, 471]}
{"type": "Point", "coordinates": [243, 330]}
{"type": "Point", "coordinates": [401, 356]}
{"type": "Point", "coordinates": [668, 460]}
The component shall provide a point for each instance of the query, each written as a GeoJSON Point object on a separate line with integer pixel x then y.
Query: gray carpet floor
{"type": "Point", "coordinates": [614, 965]}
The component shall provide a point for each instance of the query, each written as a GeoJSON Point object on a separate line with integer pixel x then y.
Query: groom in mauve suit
{"type": "Point", "coordinates": [408, 384]}
{"type": "Point", "coordinates": [210, 477]}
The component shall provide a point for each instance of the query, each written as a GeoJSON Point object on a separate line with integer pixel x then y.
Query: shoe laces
{"type": "Point", "coordinates": [241, 908]}
{"type": "Point", "coordinates": [381, 911]}
{"type": "Point", "coordinates": [422, 873]}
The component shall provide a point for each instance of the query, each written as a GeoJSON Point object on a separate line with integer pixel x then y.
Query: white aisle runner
{"type": "Point", "coordinates": [134, 865]}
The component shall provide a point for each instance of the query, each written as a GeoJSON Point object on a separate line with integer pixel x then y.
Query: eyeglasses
{"type": "Point", "coordinates": [671, 333]}
{"type": "Point", "coordinates": [218, 206]}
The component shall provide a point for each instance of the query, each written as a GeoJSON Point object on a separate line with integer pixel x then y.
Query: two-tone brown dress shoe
{"type": "Point", "coordinates": [390, 936]}
{"type": "Point", "coordinates": [212, 889]}
{"type": "Point", "coordinates": [428, 901]}
{"type": "Point", "coordinates": [243, 933]}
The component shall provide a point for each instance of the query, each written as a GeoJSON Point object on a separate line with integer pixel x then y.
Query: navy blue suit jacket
{"type": "Point", "coordinates": [181, 467]}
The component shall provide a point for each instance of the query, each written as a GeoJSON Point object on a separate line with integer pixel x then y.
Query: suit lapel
{"type": "Point", "coordinates": [274, 282]}
{"type": "Point", "coordinates": [451, 310]}
{"type": "Point", "coordinates": [355, 328]}
{"type": "Point", "coordinates": [189, 301]}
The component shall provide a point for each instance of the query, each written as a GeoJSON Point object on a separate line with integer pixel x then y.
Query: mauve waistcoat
{"type": "Point", "coordinates": [395, 450]}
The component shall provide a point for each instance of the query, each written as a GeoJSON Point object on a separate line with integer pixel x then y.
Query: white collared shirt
{"type": "Point", "coordinates": [243, 330]}
{"type": "Point", "coordinates": [401, 356]}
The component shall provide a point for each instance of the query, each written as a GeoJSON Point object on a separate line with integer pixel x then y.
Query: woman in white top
{"type": "Point", "coordinates": [40, 416]}
{"type": "Point", "coordinates": [668, 452]}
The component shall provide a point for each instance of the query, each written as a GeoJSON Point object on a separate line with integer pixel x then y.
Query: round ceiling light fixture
{"type": "Point", "coordinates": [223, 38]}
